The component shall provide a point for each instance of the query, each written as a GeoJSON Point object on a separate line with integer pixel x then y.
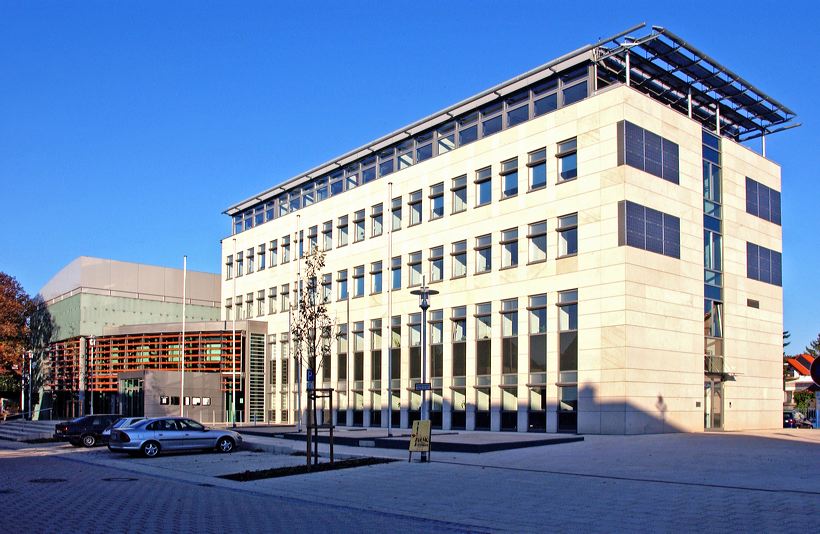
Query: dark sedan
{"type": "Point", "coordinates": [86, 430]}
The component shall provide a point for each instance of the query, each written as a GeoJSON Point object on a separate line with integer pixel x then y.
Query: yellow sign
{"type": "Point", "coordinates": [420, 437]}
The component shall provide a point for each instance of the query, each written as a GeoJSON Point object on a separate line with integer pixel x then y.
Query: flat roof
{"type": "Point", "coordinates": [661, 65]}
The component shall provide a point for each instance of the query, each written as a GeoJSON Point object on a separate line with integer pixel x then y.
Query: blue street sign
{"type": "Point", "coordinates": [423, 386]}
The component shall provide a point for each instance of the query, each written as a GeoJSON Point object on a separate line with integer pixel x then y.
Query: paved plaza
{"type": "Point", "coordinates": [766, 481]}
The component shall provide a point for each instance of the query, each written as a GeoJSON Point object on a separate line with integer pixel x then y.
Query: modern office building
{"type": "Point", "coordinates": [115, 342]}
{"type": "Point", "coordinates": [605, 245]}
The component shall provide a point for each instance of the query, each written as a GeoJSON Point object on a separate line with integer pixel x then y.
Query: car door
{"type": "Point", "coordinates": [168, 434]}
{"type": "Point", "coordinates": [194, 435]}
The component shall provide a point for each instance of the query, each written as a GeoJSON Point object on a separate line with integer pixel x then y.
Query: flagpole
{"type": "Point", "coordinates": [182, 347]}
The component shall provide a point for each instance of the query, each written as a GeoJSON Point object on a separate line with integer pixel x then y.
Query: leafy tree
{"type": "Point", "coordinates": [802, 400]}
{"type": "Point", "coordinates": [16, 308]}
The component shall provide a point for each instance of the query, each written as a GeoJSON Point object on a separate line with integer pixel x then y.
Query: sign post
{"type": "Point", "coordinates": [420, 439]}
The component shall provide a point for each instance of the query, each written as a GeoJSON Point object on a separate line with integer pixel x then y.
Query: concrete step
{"type": "Point", "coordinates": [21, 430]}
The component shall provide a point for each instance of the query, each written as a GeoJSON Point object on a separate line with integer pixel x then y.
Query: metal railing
{"type": "Point", "coordinates": [27, 415]}
{"type": "Point", "coordinates": [713, 364]}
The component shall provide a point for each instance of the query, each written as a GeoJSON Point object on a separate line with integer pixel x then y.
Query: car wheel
{"type": "Point", "coordinates": [150, 449]}
{"type": "Point", "coordinates": [89, 440]}
{"type": "Point", "coordinates": [225, 445]}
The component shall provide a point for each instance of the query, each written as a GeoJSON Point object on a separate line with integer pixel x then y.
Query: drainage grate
{"type": "Point", "coordinates": [120, 479]}
{"type": "Point", "coordinates": [47, 480]}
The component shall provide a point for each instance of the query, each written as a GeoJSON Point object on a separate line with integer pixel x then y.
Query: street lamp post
{"type": "Point", "coordinates": [93, 342]}
{"type": "Point", "coordinates": [424, 293]}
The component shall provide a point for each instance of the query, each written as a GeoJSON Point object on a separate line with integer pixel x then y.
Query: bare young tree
{"type": "Point", "coordinates": [311, 329]}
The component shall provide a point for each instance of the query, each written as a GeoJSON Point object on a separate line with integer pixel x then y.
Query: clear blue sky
{"type": "Point", "coordinates": [127, 127]}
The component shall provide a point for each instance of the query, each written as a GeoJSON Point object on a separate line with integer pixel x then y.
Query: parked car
{"type": "Point", "coordinates": [795, 419]}
{"type": "Point", "coordinates": [122, 422]}
{"type": "Point", "coordinates": [86, 430]}
{"type": "Point", "coordinates": [165, 434]}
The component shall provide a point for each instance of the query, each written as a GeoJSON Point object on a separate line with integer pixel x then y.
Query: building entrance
{"type": "Point", "coordinates": [712, 404]}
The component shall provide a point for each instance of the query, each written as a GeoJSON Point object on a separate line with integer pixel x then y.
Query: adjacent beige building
{"type": "Point", "coordinates": [605, 249]}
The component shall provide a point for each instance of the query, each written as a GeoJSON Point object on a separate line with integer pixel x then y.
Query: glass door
{"type": "Point", "coordinates": [712, 404]}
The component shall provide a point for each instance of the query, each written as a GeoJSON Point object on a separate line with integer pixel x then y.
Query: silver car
{"type": "Point", "coordinates": [119, 423]}
{"type": "Point", "coordinates": [151, 436]}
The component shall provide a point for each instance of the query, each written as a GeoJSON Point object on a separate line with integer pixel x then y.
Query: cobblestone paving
{"type": "Point", "coordinates": [765, 482]}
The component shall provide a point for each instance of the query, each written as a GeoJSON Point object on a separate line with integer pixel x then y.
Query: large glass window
{"type": "Point", "coordinates": [341, 231]}
{"type": "Point", "coordinates": [341, 284]}
{"type": "Point", "coordinates": [415, 345]}
{"type": "Point", "coordinates": [468, 129]}
{"type": "Point", "coordinates": [509, 336]}
{"type": "Point", "coordinates": [414, 205]}
{"type": "Point", "coordinates": [273, 249]}
{"type": "Point", "coordinates": [358, 226]}
{"type": "Point", "coordinates": [648, 229]}
{"type": "Point", "coordinates": [538, 169]}
{"type": "Point", "coordinates": [249, 261]}
{"type": "Point", "coordinates": [313, 237]}
{"type": "Point", "coordinates": [437, 264]}
{"type": "Point", "coordinates": [261, 254]}
{"type": "Point", "coordinates": [240, 262]}
{"type": "Point", "coordinates": [229, 267]}
{"type": "Point", "coordinates": [436, 320]}
{"type": "Point", "coordinates": [762, 201]}
{"type": "Point", "coordinates": [358, 281]}
{"type": "Point", "coordinates": [518, 108]}
{"type": "Point", "coordinates": [483, 253]}
{"type": "Point", "coordinates": [537, 237]}
{"type": "Point", "coordinates": [459, 190]}
{"type": "Point", "coordinates": [341, 352]}
{"type": "Point", "coordinates": [484, 323]}
{"type": "Point", "coordinates": [567, 160]}
{"type": "Point", "coordinates": [509, 248]}
{"type": "Point", "coordinates": [567, 235]}
{"type": "Point", "coordinates": [491, 118]}
{"type": "Point", "coordinates": [648, 152]}
{"type": "Point", "coordinates": [483, 186]}
{"type": "Point", "coordinates": [538, 333]}
{"type": "Point", "coordinates": [395, 211]}
{"type": "Point", "coordinates": [509, 178]}
{"type": "Point", "coordinates": [327, 235]}
{"type": "Point", "coordinates": [459, 256]}
{"type": "Point", "coordinates": [446, 136]}
{"type": "Point", "coordinates": [414, 264]}
{"type": "Point", "coordinates": [764, 264]}
{"type": "Point", "coordinates": [376, 277]}
{"type": "Point", "coordinates": [376, 218]}
{"type": "Point", "coordinates": [326, 287]}
{"type": "Point", "coordinates": [376, 353]}
{"type": "Point", "coordinates": [437, 201]}
{"type": "Point", "coordinates": [568, 336]}
{"type": "Point", "coordinates": [458, 321]}
{"type": "Point", "coordinates": [284, 297]}
{"type": "Point", "coordinates": [395, 273]}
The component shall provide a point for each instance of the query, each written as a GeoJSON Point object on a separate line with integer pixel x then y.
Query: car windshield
{"type": "Point", "coordinates": [78, 419]}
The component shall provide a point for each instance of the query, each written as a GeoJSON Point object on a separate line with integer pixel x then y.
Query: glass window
{"type": "Point", "coordinates": [764, 264]}
{"type": "Point", "coordinates": [229, 267]}
{"type": "Point", "coordinates": [358, 281]}
{"type": "Point", "coordinates": [327, 235]}
{"type": "Point", "coordinates": [468, 129]}
{"type": "Point", "coordinates": [491, 119]}
{"type": "Point", "coordinates": [509, 178]}
{"type": "Point", "coordinates": [377, 220]}
{"type": "Point", "coordinates": [568, 336]}
{"type": "Point", "coordinates": [284, 298]}
{"type": "Point", "coordinates": [358, 226]}
{"type": "Point", "coordinates": [326, 287]}
{"type": "Point", "coordinates": [261, 254]}
{"type": "Point", "coordinates": [648, 229]}
{"type": "Point", "coordinates": [337, 184]}
{"type": "Point", "coordinates": [395, 210]}
{"type": "Point", "coordinates": [272, 300]}
{"type": "Point", "coordinates": [484, 323]}
{"type": "Point", "coordinates": [405, 151]}
{"type": "Point", "coordinates": [285, 249]}
{"type": "Point", "coordinates": [459, 256]}
{"type": "Point", "coordinates": [567, 235]}
{"type": "Point", "coordinates": [538, 169]}
{"type": "Point", "coordinates": [458, 321]}
{"type": "Point", "coordinates": [321, 189]}
{"type": "Point", "coordinates": [484, 186]}
{"type": "Point", "coordinates": [415, 345]}
{"type": "Point", "coordinates": [538, 333]}
{"type": "Point", "coordinates": [436, 264]}
{"type": "Point", "coordinates": [545, 97]}
{"type": "Point", "coordinates": [369, 169]}
{"type": "Point", "coordinates": [414, 205]}
{"type": "Point", "coordinates": [424, 146]}
{"type": "Point", "coordinates": [761, 201]}
{"type": "Point", "coordinates": [459, 190]}
{"type": "Point", "coordinates": [567, 160]}
{"type": "Point", "coordinates": [437, 201]}
{"type": "Point", "coordinates": [518, 108]}
{"type": "Point", "coordinates": [414, 263]}
{"type": "Point", "coordinates": [648, 152]}
{"type": "Point", "coordinates": [483, 257]}
{"type": "Point", "coordinates": [341, 231]}
{"type": "Point", "coordinates": [509, 336]}
{"type": "Point", "coordinates": [240, 262]}
{"type": "Point", "coordinates": [386, 159]}
{"type": "Point", "coordinates": [341, 352]}
{"type": "Point", "coordinates": [249, 261]}
{"type": "Point", "coordinates": [313, 235]}
{"type": "Point", "coordinates": [376, 351]}
{"type": "Point", "coordinates": [537, 242]}
{"type": "Point", "coordinates": [509, 248]}
{"type": "Point", "coordinates": [341, 284]}
{"type": "Point", "coordinates": [273, 249]}
{"type": "Point", "coordinates": [395, 272]}
{"type": "Point", "coordinates": [436, 343]}
{"type": "Point", "coordinates": [376, 277]}
{"type": "Point", "coordinates": [446, 136]}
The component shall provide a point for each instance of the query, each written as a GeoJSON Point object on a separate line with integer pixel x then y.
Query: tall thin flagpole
{"type": "Point", "coordinates": [234, 308]}
{"type": "Point", "coordinates": [298, 317]}
{"type": "Point", "coordinates": [389, 321]}
{"type": "Point", "coordinates": [182, 346]}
